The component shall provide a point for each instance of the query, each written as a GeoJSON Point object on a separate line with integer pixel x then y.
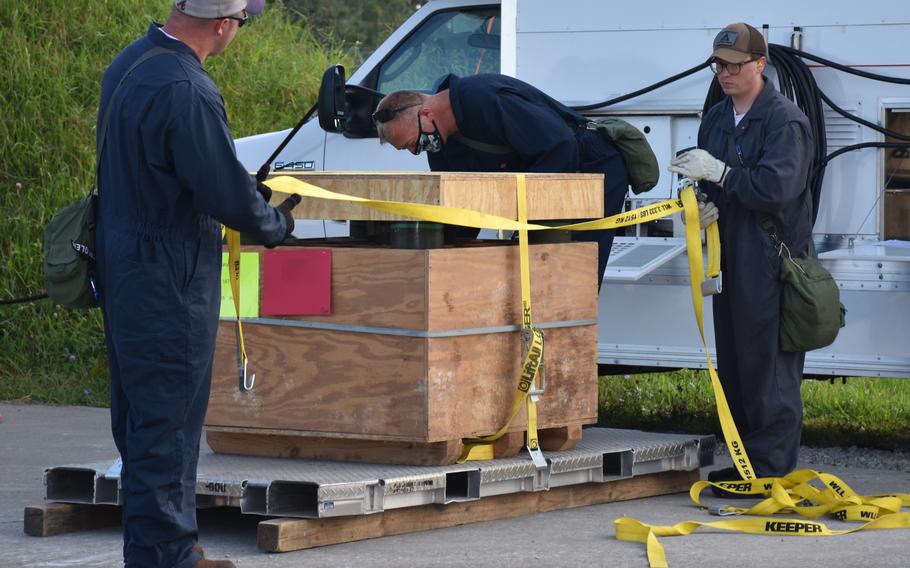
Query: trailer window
{"type": "Point", "coordinates": [897, 178]}
{"type": "Point", "coordinates": [459, 42]}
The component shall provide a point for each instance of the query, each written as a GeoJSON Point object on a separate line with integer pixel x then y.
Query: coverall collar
{"type": "Point", "coordinates": [754, 113]}
{"type": "Point", "coordinates": [450, 82]}
{"type": "Point", "coordinates": [159, 39]}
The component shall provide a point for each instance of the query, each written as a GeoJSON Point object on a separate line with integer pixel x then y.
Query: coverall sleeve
{"type": "Point", "coordinates": [780, 174]}
{"type": "Point", "coordinates": [205, 161]}
{"type": "Point", "coordinates": [538, 134]}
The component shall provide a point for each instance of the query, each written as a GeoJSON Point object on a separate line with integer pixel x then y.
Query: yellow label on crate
{"type": "Point", "coordinates": [249, 287]}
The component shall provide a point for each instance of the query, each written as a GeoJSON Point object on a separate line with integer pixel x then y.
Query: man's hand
{"type": "Point", "coordinates": [285, 208]}
{"type": "Point", "coordinates": [698, 165]}
{"type": "Point", "coordinates": [707, 214]}
{"type": "Point", "coordinates": [264, 190]}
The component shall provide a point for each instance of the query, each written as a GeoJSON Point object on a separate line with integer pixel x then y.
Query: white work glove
{"type": "Point", "coordinates": [707, 214]}
{"type": "Point", "coordinates": [698, 165]}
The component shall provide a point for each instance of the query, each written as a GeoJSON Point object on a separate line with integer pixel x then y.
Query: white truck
{"type": "Point", "coordinates": [585, 51]}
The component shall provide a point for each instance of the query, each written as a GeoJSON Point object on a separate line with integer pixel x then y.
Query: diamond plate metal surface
{"type": "Point", "coordinates": [228, 475]}
{"type": "Point", "coordinates": [567, 463]}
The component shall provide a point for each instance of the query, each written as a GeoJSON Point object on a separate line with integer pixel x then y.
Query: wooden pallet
{"type": "Point", "coordinates": [285, 535]}
{"type": "Point", "coordinates": [283, 444]}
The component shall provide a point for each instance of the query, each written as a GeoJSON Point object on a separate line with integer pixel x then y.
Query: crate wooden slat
{"type": "Point", "coordinates": [550, 196]}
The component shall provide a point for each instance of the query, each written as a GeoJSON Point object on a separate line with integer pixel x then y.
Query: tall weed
{"type": "Point", "coordinates": [55, 52]}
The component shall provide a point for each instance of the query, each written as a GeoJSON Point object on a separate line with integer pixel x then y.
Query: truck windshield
{"type": "Point", "coordinates": [459, 42]}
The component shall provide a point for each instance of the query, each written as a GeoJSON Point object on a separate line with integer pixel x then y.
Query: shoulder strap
{"type": "Point", "coordinates": [99, 147]}
{"type": "Point", "coordinates": [482, 146]}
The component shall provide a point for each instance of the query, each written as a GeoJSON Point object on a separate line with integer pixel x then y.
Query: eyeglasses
{"type": "Point", "coordinates": [387, 114]}
{"type": "Point", "coordinates": [241, 20]}
{"type": "Point", "coordinates": [731, 68]}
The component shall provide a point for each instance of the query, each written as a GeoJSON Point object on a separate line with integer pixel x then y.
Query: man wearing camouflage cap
{"type": "Point", "coordinates": [753, 157]}
{"type": "Point", "coordinates": [168, 178]}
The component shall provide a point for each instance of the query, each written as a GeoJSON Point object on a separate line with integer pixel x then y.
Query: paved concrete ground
{"type": "Point", "coordinates": [35, 437]}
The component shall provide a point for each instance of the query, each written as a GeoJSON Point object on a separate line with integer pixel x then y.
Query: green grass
{"type": "Point", "coordinates": [55, 54]}
{"type": "Point", "coordinates": [864, 412]}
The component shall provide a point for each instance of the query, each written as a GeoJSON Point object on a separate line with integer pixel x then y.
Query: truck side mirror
{"type": "Point", "coordinates": [331, 103]}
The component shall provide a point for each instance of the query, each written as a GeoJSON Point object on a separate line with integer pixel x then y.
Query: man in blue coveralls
{"type": "Point", "coordinates": [753, 158]}
{"type": "Point", "coordinates": [168, 178]}
{"type": "Point", "coordinates": [495, 123]}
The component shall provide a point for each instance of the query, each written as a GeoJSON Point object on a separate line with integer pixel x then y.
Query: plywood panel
{"type": "Point", "coordinates": [377, 287]}
{"type": "Point", "coordinates": [322, 381]}
{"type": "Point", "coordinates": [481, 287]}
{"type": "Point", "coordinates": [458, 288]}
{"type": "Point", "coordinates": [550, 196]}
{"type": "Point", "coordinates": [472, 382]}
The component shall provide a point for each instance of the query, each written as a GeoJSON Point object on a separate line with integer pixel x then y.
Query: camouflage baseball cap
{"type": "Point", "coordinates": [738, 43]}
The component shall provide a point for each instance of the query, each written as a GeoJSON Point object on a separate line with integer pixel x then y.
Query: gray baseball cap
{"type": "Point", "coordinates": [217, 8]}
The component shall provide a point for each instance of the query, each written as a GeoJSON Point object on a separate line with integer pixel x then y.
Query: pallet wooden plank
{"type": "Point", "coordinates": [52, 519]}
{"type": "Point", "coordinates": [302, 445]}
{"type": "Point", "coordinates": [285, 535]}
{"type": "Point", "coordinates": [293, 445]}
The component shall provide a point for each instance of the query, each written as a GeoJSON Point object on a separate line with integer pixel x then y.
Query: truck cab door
{"type": "Point", "coordinates": [463, 41]}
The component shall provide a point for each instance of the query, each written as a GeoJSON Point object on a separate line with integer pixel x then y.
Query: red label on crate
{"type": "Point", "coordinates": [296, 282]}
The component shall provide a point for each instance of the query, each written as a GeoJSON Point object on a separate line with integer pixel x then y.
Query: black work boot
{"type": "Point", "coordinates": [728, 475]}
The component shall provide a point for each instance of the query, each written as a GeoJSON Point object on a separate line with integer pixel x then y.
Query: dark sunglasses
{"type": "Point", "coordinates": [387, 114]}
{"type": "Point", "coordinates": [241, 21]}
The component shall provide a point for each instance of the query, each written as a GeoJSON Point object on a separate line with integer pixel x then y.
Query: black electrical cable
{"type": "Point", "coordinates": [860, 146]}
{"type": "Point", "coordinates": [640, 92]}
{"type": "Point", "coordinates": [24, 300]}
{"type": "Point", "coordinates": [844, 68]}
{"type": "Point", "coordinates": [866, 123]}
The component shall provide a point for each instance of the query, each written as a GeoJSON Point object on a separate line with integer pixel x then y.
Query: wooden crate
{"type": "Point", "coordinates": [381, 396]}
{"type": "Point", "coordinates": [550, 196]}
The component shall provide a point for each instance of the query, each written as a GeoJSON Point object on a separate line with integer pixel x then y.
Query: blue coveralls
{"type": "Point", "coordinates": [770, 153]}
{"type": "Point", "coordinates": [168, 176]}
{"type": "Point", "coordinates": [543, 134]}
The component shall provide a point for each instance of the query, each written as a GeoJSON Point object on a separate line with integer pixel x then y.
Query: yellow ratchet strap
{"type": "Point", "coordinates": [233, 244]}
{"type": "Point", "coordinates": [532, 363]}
{"type": "Point", "coordinates": [788, 495]}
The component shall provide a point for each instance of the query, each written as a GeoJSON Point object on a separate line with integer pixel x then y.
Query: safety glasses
{"type": "Point", "coordinates": [731, 68]}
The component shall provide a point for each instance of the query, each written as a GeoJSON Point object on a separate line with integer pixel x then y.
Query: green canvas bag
{"type": "Point", "coordinates": [632, 144]}
{"type": "Point", "coordinates": [811, 312]}
{"type": "Point", "coordinates": [69, 258]}
{"type": "Point", "coordinates": [69, 239]}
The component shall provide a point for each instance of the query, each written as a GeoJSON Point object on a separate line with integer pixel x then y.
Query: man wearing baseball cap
{"type": "Point", "coordinates": [753, 158]}
{"type": "Point", "coordinates": [168, 178]}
